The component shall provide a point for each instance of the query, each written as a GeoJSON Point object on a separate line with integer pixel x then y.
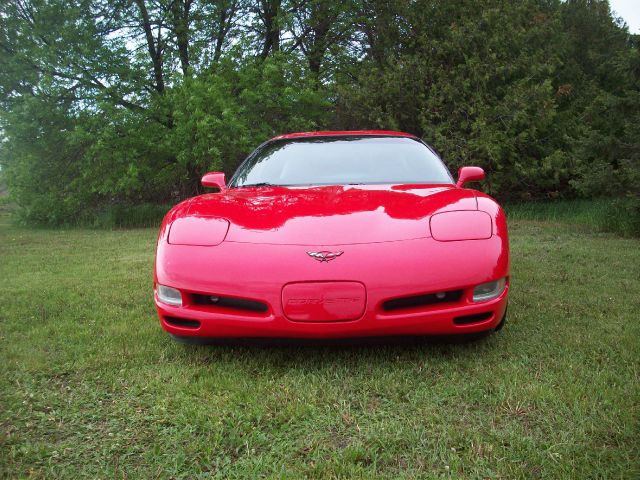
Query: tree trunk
{"type": "Point", "coordinates": [226, 14]}
{"type": "Point", "coordinates": [180, 10]}
{"type": "Point", "coordinates": [153, 46]}
{"type": "Point", "coordinates": [270, 13]}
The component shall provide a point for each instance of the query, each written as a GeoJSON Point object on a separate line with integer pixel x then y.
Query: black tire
{"type": "Point", "coordinates": [502, 322]}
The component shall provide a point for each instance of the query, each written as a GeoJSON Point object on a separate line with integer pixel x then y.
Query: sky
{"type": "Point", "coordinates": [629, 10]}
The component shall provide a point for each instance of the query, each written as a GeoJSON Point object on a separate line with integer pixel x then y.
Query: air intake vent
{"type": "Point", "coordinates": [422, 300]}
{"type": "Point", "coordinates": [182, 322]}
{"type": "Point", "coordinates": [230, 302]}
{"type": "Point", "coordinates": [469, 319]}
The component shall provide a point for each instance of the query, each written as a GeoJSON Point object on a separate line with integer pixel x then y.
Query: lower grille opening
{"type": "Point", "coordinates": [182, 322]}
{"type": "Point", "coordinates": [230, 302]}
{"type": "Point", "coordinates": [422, 300]}
{"type": "Point", "coordinates": [469, 319]}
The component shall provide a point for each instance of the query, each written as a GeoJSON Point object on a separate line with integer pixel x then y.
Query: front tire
{"type": "Point", "coordinates": [503, 321]}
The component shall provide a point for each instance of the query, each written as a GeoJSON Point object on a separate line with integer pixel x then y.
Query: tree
{"type": "Point", "coordinates": [129, 101]}
{"type": "Point", "coordinates": [318, 28]}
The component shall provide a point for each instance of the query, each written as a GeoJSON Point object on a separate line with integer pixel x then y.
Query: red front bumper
{"type": "Point", "coordinates": [433, 321]}
{"type": "Point", "coordinates": [386, 271]}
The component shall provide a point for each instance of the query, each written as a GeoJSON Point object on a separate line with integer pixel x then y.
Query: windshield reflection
{"type": "Point", "coordinates": [341, 161]}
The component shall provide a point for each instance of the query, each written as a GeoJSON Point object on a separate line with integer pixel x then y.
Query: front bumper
{"type": "Point", "coordinates": [389, 270]}
{"type": "Point", "coordinates": [439, 321]}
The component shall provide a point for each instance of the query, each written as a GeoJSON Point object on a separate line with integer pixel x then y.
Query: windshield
{"type": "Point", "coordinates": [342, 161]}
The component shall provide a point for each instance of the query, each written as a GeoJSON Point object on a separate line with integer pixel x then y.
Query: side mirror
{"type": "Point", "coordinates": [214, 180]}
{"type": "Point", "coordinates": [469, 174]}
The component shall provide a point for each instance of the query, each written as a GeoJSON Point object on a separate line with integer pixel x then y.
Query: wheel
{"type": "Point", "coordinates": [502, 322]}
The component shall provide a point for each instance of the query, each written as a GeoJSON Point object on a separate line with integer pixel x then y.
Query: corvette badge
{"type": "Point", "coordinates": [324, 256]}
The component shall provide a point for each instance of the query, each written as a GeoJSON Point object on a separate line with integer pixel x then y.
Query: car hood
{"type": "Point", "coordinates": [329, 215]}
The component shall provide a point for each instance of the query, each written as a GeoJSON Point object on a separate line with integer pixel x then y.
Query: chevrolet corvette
{"type": "Point", "coordinates": [330, 235]}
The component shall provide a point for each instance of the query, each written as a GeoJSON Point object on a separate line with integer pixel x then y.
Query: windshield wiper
{"type": "Point", "coordinates": [259, 184]}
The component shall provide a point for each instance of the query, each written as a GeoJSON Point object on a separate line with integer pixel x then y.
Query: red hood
{"type": "Point", "coordinates": [330, 215]}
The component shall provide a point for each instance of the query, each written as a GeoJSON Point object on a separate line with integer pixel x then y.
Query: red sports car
{"type": "Point", "coordinates": [332, 235]}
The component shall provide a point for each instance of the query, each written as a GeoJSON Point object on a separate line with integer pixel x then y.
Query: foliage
{"type": "Point", "coordinates": [620, 215]}
{"type": "Point", "coordinates": [108, 104]}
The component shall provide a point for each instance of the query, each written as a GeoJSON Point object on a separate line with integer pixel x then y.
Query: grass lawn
{"type": "Point", "coordinates": [90, 386]}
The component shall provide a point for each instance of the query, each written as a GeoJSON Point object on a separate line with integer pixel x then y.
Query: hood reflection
{"type": "Point", "coordinates": [330, 214]}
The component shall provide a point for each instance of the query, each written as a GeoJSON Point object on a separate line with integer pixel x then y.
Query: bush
{"type": "Point", "coordinates": [618, 215]}
{"type": "Point", "coordinates": [129, 216]}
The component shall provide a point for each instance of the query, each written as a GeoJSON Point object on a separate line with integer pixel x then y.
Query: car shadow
{"type": "Point", "coordinates": [354, 342]}
{"type": "Point", "coordinates": [272, 356]}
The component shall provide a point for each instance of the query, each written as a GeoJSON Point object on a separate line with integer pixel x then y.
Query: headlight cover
{"type": "Point", "coordinates": [461, 225]}
{"type": "Point", "coordinates": [489, 290]}
{"type": "Point", "coordinates": [198, 231]}
{"type": "Point", "coordinates": [169, 295]}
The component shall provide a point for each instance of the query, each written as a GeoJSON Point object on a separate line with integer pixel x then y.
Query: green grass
{"type": "Point", "coordinates": [91, 387]}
